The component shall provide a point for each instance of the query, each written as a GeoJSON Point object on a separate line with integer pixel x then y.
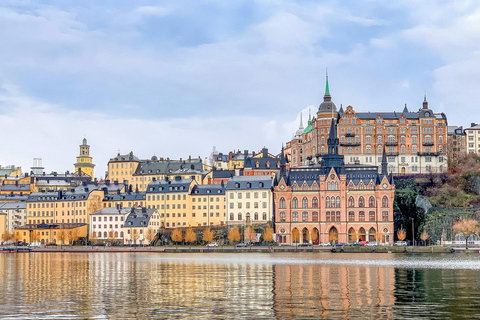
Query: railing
{"type": "Point", "coordinates": [350, 144]}
{"type": "Point", "coordinates": [429, 154]}
{"type": "Point", "coordinates": [428, 144]}
{"type": "Point", "coordinates": [391, 143]}
{"type": "Point", "coordinates": [392, 154]}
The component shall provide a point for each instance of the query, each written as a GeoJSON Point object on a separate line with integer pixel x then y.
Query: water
{"type": "Point", "coordinates": [240, 286]}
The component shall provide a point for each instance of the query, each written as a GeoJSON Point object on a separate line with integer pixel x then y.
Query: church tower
{"type": "Point", "coordinates": [84, 161]}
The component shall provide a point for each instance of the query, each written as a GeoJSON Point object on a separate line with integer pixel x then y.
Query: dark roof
{"type": "Point", "coordinates": [13, 205]}
{"type": "Point", "coordinates": [169, 166]}
{"type": "Point", "coordinates": [139, 217]}
{"type": "Point", "coordinates": [223, 174]}
{"type": "Point", "coordinates": [78, 193]}
{"type": "Point", "coordinates": [250, 182]}
{"type": "Point", "coordinates": [133, 196]}
{"type": "Point", "coordinates": [15, 187]}
{"type": "Point", "coordinates": [52, 226]}
{"type": "Point", "coordinates": [395, 115]}
{"type": "Point", "coordinates": [113, 211]}
{"type": "Point", "coordinates": [209, 189]}
{"type": "Point", "coordinates": [125, 157]}
{"type": "Point", "coordinates": [168, 186]}
{"type": "Point", "coordinates": [14, 197]}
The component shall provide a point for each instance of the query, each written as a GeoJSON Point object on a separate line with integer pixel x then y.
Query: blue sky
{"type": "Point", "coordinates": [175, 78]}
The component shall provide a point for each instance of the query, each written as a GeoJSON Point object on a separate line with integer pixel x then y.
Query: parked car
{"type": "Point", "coordinates": [357, 244]}
{"type": "Point", "coordinates": [305, 244]}
{"type": "Point", "coordinates": [212, 244]}
{"type": "Point", "coordinates": [325, 244]}
{"type": "Point", "coordinates": [51, 244]}
{"type": "Point", "coordinates": [363, 242]}
{"type": "Point", "coordinates": [372, 244]}
{"type": "Point", "coordinates": [20, 243]}
{"type": "Point", "coordinates": [340, 244]}
{"type": "Point", "coordinates": [400, 243]}
{"type": "Point", "coordinates": [241, 244]}
{"type": "Point", "coordinates": [35, 245]}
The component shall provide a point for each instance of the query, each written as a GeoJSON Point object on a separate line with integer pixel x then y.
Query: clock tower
{"type": "Point", "coordinates": [84, 163]}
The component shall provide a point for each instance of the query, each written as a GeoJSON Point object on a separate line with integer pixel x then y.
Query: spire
{"type": "Point", "coordinates": [405, 110]}
{"type": "Point", "coordinates": [327, 89]}
{"type": "Point", "coordinates": [301, 121]}
{"type": "Point", "coordinates": [384, 162]}
{"type": "Point", "coordinates": [425, 102]}
{"type": "Point", "coordinates": [332, 139]}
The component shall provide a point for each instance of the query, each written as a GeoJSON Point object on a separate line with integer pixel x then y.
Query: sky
{"type": "Point", "coordinates": [177, 78]}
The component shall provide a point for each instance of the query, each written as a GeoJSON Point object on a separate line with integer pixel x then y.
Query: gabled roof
{"type": "Point", "coordinates": [139, 217]}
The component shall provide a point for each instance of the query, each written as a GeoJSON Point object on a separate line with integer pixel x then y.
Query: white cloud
{"type": "Point", "coordinates": [154, 11]}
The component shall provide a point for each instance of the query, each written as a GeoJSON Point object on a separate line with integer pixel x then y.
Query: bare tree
{"type": "Point", "coordinates": [467, 228]}
{"type": "Point", "coordinates": [150, 235]}
{"type": "Point", "coordinates": [424, 236]}
{"type": "Point", "coordinates": [62, 236]}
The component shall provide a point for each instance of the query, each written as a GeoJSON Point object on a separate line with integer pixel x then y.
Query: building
{"type": "Point", "coordinates": [222, 176]}
{"type": "Point", "coordinates": [122, 167]}
{"type": "Point", "coordinates": [106, 225]}
{"type": "Point", "coordinates": [3, 226]}
{"type": "Point", "coordinates": [207, 205]}
{"type": "Point", "coordinates": [141, 226]}
{"type": "Point", "coordinates": [249, 200]}
{"type": "Point", "coordinates": [17, 185]}
{"type": "Point", "coordinates": [59, 233]}
{"type": "Point", "coordinates": [456, 144]}
{"type": "Point", "coordinates": [127, 199]}
{"type": "Point", "coordinates": [172, 200]}
{"type": "Point", "coordinates": [65, 207]}
{"type": "Point", "coordinates": [10, 171]}
{"type": "Point", "coordinates": [260, 164]}
{"type": "Point", "coordinates": [334, 202]}
{"type": "Point", "coordinates": [16, 214]}
{"type": "Point", "coordinates": [473, 138]}
{"type": "Point", "coordinates": [84, 164]}
{"type": "Point", "coordinates": [416, 141]}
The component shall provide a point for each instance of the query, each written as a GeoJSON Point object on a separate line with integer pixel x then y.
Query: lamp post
{"type": "Point", "coordinates": [413, 231]}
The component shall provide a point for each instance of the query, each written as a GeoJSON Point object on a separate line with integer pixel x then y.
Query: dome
{"type": "Point", "coordinates": [327, 106]}
{"type": "Point", "coordinates": [154, 158]}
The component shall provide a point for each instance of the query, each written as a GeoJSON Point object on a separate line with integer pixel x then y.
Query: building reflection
{"type": "Point", "coordinates": [332, 291]}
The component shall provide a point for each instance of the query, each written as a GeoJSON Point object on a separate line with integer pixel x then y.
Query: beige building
{"type": "Point", "coordinates": [141, 226]}
{"type": "Point", "coordinates": [122, 167]}
{"type": "Point", "coordinates": [207, 205]}
{"type": "Point", "coordinates": [249, 199]}
{"type": "Point", "coordinates": [16, 214]}
{"type": "Point", "coordinates": [473, 138]}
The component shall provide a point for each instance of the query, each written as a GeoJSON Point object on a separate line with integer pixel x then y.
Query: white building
{"type": "Point", "coordinates": [107, 224]}
{"type": "Point", "coordinates": [16, 214]}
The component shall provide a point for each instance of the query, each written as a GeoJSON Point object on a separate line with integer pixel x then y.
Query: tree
{"type": "Point", "coordinates": [7, 236]}
{"type": "Point", "coordinates": [250, 234]}
{"type": "Point", "coordinates": [467, 228]}
{"type": "Point", "coordinates": [424, 236]}
{"type": "Point", "coordinates": [234, 235]}
{"type": "Point", "coordinates": [72, 236]}
{"type": "Point", "coordinates": [35, 236]}
{"type": "Point", "coordinates": [208, 235]}
{"type": "Point", "coordinates": [135, 236]}
{"type": "Point", "coordinates": [62, 236]}
{"type": "Point", "coordinates": [401, 234]}
{"type": "Point", "coordinates": [314, 236]}
{"type": "Point", "coordinates": [177, 235]}
{"type": "Point", "coordinates": [295, 235]}
{"type": "Point", "coordinates": [150, 235]}
{"type": "Point", "coordinates": [268, 234]}
{"type": "Point", "coordinates": [190, 236]}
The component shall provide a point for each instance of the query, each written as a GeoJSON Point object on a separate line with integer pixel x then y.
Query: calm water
{"type": "Point", "coordinates": [222, 286]}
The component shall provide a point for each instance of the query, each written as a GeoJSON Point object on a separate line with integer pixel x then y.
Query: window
{"type": "Point", "coordinates": [327, 200]}
{"type": "Point", "coordinates": [328, 216]}
{"type": "Point", "coordinates": [304, 216]}
{"type": "Point", "coordinates": [282, 203]}
{"type": "Point", "coordinates": [351, 202]}
{"type": "Point", "coordinates": [384, 201]}
{"type": "Point", "coordinates": [314, 216]}
{"type": "Point", "coordinates": [361, 216]}
{"type": "Point", "coordinates": [371, 202]}
{"type": "Point", "coordinates": [351, 216]}
{"type": "Point", "coordinates": [304, 202]}
{"type": "Point", "coordinates": [315, 202]}
{"type": "Point", "coordinates": [385, 216]}
{"type": "Point", "coordinates": [338, 202]}
{"type": "Point", "coordinates": [295, 216]}
{"type": "Point", "coordinates": [239, 216]}
{"type": "Point", "coordinates": [361, 202]}
{"type": "Point", "coordinates": [282, 216]}
{"type": "Point", "coordinates": [371, 216]}
{"type": "Point", "coordinates": [338, 215]}
{"type": "Point", "coordinates": [231, 216]}
{"type": "Point", "coordinates": [295, 203]}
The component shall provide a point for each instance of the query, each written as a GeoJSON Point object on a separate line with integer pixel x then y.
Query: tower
{"type": "Point", "coordinates": [84, 163]}
{"type": "Point", "coordinates": [327, 108]}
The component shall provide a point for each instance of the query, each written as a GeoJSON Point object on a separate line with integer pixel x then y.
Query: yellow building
{"type": "Point", "coordinates": [141, 226]}
{"type": "Point", "coordinates": [123, 200]}
{"type": "Point", "coordinates": [61, 233]}
{"type": "Point", "coordinates": [16, 185]}
{"type": "Point", "coordinates": [122, 167]}
{"type": "Point", "coordinates": [74, 206]}
{"type": "Point", "coordinates": [84, 162]}
{"type": "Point", "coordinates": [207, 205]}
{"type": "Point", "coordinates": [3, 225]}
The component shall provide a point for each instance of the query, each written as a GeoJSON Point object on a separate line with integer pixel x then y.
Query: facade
{"type": "Point", "coordinates": [66, 207]}
{"type": "Point", "coordinates": [122, 167]}
{"type": "Point", "coordinates": [59, 233]}
{"type": "Point", "coordinates": [127, 199]}
{"type": "Point", "coordinates": [16, 214]}
{"type": "Point", "coordinates": [260, 164]}
{"type": "Point", "coordinates": [333, 202]}
{"type": "Point", "coordinates": [16, 185]}
{"type": "Point", "coordinates": [107, 224]}
{"type": "Point", "coordinates": [222, 176]}
{"type": "Point", "coordinates": [473, 138]}
{"type": "Point", "coordinates": [456, 144]}
{"type": "Point", "coordinates": [84, 164]}
{"type": "Point", "coordinates": [416, 142]}
{"type": "Point", "coordinates": [249, 200]}
{"type": "Point", "coordinates": [141, 226]}
{"type": "Point", "coordinates": [3, 226]}
{"type": "Point", "coordinates": [207, 205]}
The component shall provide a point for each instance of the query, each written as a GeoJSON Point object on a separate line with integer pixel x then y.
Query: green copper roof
{"type": "Point", "coordinates": [308, 128]}
{"type": "Point", "coordinates": [327, 89]}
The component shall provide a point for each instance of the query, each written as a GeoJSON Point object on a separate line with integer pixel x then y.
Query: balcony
{"type": "Point", "coordinates": [350, 144]}
{"type": "Point", "coordinates": [391, 143]}
{"type": "Point", "coordinates": [428, 144]}
{"type": "Point", "coordinates": [429, 154]}
{"type": "Point", "coordinates": [350, 134]}
{"type": "Point", "coordinates": [392, 154]}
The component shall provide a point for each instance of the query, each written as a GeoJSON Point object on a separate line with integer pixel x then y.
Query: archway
{"type": "Point", "coordinates": [352, 235]}
{"type": "Point", "coordinates": [403, 170]}
{"type": "Point", "coordinates": [305, 235]}
{"type": "Point", "coordinates": [315, 237]}
{"type": "Point", "coordinates": [333, 235]}
{"type": "Point", "coordinates": [371, 235]}
{"type": "Point", "coordinates": [362, 234]}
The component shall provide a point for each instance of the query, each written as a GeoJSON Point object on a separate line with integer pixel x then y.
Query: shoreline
{"type": "Point", "coordinates": [262, 249]}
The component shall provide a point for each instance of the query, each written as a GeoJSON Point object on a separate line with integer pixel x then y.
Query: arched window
{"type": "Point", "coordinates": [282, 203]}
{"type": "Point", "coordinates": [385, 216]}
{"type": "Point", "coordinates": [121, 234]}
{"type": "Point", "coordinates": [304, 202]}
{"type": "Point", "coordinates": [315, 202]}
{"type": "Point", "coordinates": [384, 201]}
{"type": "Point", "coordinates": [116, 234]}
{"type": "Point", "coordinates": [328, 216]}
{"type": "Point", "coordinates": [329, 186]}
{"type": "Point", "coordinates": [282, 216]}
{"type": "Point", "coordinates": [361, 216]}
{"type": "Point", "coordinates": [315, 216]}
{"type": "Point", "coordinates": [351, 216]}
{"type": "Point", "coordinates": [231, 216]}
{"type": "Point", "coordinates": [239, 216]}
{"type": "Point", "coordinates": [255, 216]}
{"type": "Point", "coordinates": [338, 202]}
{"type": "Point", "coordinates": [351, 202]}
{"type": "Point", "coordinates": [338, 215]}
{"type": "Point", "coordinates": [371, 216]}
{"type": "Point", "coordinates": [327, 200]}
{"type": "Point", "coordinates": [105, 235]}
{"type": "Point", "coordinates": [336, 185]}
{"type": "Point", "coordinates": [295, 216]}
{"type": "Point", "coordinates": [361, 202]}
{"type": "Point", "coordinates": [371, 202]}
{"type": "Point", "coordinates": [294, 203]}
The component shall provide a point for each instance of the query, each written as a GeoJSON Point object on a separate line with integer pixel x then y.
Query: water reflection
{"type": "Point", "coordinates": [219, 286]}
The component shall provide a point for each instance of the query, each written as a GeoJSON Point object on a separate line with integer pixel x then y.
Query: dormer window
{"type": "Point", "coordinates": [260, 184]}
{"type": "Point", "coordinates": [237, 185]}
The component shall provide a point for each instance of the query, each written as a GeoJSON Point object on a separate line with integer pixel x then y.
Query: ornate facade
{"type": "Point", "coordinates": [334, 202]}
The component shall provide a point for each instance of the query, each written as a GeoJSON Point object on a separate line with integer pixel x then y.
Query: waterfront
{"type": "Point", "coordinates": [225, 285]}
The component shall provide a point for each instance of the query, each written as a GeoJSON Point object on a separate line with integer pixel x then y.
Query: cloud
{"type": "Point", "coordinates": [154, 11]}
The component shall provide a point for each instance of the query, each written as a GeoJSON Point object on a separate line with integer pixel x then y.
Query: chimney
{"type": "Point", "coordinates": [189, 158]}
{"type": "Point", "coordinates": [230, 155]}
{"type": "Point", "coordinates": [86, 189]}
{"type": "Point", "coordinates": [180, 159]}
{"type": "Point", "coordinates": [206, 161]}
{"type": "Point", "coordinates": [472, 124]}
{"type": "Point", "coordinates": [265, 152]}
{"type": "Point", "coordinates": [245, 153]}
